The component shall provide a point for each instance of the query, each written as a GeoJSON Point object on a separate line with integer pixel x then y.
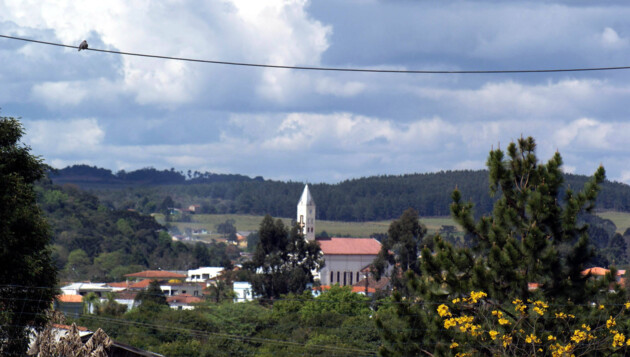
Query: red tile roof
{"type": "Point", "coordinates": [142, 284]}
{"type": "Point", "coordinates": [597, 271]}
{"type": "Point", "coordinates": [349, 246]}
{"type": "Point", "coordinates": [121, 284]}
{"type": "Point", "coordinates": [156, 274]}
{"type": "Point", "coordinates": [183, 299]}
{"type": "Point", "coordinates": [68, 327]}
{"type": "Point", "coordinates": [69, 298]}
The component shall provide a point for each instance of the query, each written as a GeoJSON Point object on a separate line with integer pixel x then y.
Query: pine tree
{"type": "Point", "coordinates": [532, 236]}
{"type": "Point", "coordinates": [400, 249]}
{"type": "Point", "coordinates": [27, 274]}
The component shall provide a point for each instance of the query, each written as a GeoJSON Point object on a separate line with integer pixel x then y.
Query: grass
{"type": "Point", "coordinates": [333, 228]}
{"type": "Point", "coordinates": [620, 219]}
{"type": "Point", "coordinates": [352, 229]}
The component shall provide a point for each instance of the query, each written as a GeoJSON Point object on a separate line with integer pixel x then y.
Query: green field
{"type": "Point", "coordinates": [353, 229]}
{"type": "Point", "coordinates": [333, 228]}
{"type": "Point", "coordinates": [620, 219]}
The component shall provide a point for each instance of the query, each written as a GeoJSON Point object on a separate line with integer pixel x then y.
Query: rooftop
{"type": "Point", "coordinates": [156, 274]}
{"type": "Point", "coordinates": [349, 246]}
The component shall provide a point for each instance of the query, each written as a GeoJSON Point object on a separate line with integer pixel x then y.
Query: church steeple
{"type": "Point", "coordinates": [306, 214]}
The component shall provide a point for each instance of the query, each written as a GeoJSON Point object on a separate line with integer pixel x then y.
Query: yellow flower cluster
{"type": "Point", "coordinates": [618, 339]}
{"type": "Point", "coordinates": [582, 335]}
{"type": "Point", "coordinates": [563, 316]}
{"type": "Point", "coordinates": [443, 311]}
{"type": "Point", "coordinates": [493, 334]}
{"type": "Point", "coordinates": [627, 305]}
{"type": "Point", "coordinates": [507, 340]}
{"type": "Point", "coordinates": [499, 315]}
{"type": "Point", "coordinates": [464, 323]}
{"type": "Point", "coordinates": [519, 306]}
{"type": "Point", "coordinates": [475, 296]}
{"type": "Point", "coordinates": [531, 338]}
{"type": "Point", "coordinates": [540, 307]}
{"type": "Point", "coordinates": [610, 323]}
{"type": "Point", "coordinates": [558, 350]}
{"type": "Point", "coordinates": [454, 345]}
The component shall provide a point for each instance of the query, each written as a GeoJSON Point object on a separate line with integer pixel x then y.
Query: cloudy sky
{"type": "Point", "coordinates": [122, 112]}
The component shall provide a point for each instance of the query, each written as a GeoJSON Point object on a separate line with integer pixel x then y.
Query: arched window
{"type": "Point", "coordinates": [338, 276]}
{"type": "Point", "coordinates": [331, 277]}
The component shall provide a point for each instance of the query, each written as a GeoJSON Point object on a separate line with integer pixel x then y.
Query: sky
{"type": "Point", "coordinates": [126, 113]}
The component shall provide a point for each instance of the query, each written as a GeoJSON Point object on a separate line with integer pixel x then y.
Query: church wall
{"type": "Point", "coordinates": [344, 264]}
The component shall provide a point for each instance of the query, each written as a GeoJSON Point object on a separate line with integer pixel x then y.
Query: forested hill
{"type": "Point", "coordinates": [90, 177]}
{"type": "Point", "coordinates": [363, 199]}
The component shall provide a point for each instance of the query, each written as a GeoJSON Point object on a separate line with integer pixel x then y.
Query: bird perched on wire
{"type": "Point", "coordinates": [83, 45]}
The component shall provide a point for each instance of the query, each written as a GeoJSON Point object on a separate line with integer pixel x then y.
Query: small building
{"type": "Point", "coordinates": [85, 288]}
{"type": "Point", "coordinates": [69, 304]}
{"type": "Point", "coordinates": [203, 274]}
{"type": "Point", "coordinates": [183, 302]}
{"type": "Point", "coordinates": [243, 291]}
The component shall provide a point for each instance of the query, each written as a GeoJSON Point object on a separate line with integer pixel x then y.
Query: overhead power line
{"type": "Point", "coordinates": [330, 69]}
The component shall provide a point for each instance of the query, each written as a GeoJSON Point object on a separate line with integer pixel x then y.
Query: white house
{"type": "Point", "coordinates": [85, 288]}
{"type": "Point", "coordinates": [243, 291]}
{"type": "Point", "coordinates": [344, 257]}
{"type": "Point", "coordinates": [203, 274]}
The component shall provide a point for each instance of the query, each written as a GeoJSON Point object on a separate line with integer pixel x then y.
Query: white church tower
{"type": "Point", "coordinates": [306, 214]}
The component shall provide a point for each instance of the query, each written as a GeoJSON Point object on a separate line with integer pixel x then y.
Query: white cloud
{"type": "Point", "coordinates": [610, 39]}
{"type": "Point", "coordinates": [77, 136]}
{"type": "Point", "coordinates": [327, 85]}
{"type": "Point", "coordinates": [276, 32]}
{"type": "Point", "coordinates": [55, 94]}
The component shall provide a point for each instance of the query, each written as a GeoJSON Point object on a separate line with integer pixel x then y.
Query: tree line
{"type": "Point", "coordinates": [364, 199]}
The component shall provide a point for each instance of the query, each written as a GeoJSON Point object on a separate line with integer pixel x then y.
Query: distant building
{"type": "Point", "coordinates": [85, 288]}
{"type": "Point", "coordinates": [243, 291]}
{"type": "Point", "coordinates": [156, 275]}
{"type": "Point", "coordinates": [203, 274]}
{"type": "Point", "coordinates": [344, 257]}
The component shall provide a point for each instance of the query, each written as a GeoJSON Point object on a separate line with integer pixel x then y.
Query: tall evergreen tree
{"type": "Point", "coordinates": [27, 273]}
{"type": "Point", "coordinates": [532, 236]}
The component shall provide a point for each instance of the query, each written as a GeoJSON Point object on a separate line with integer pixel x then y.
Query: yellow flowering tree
{"type": "Point", "coordinates": [477, 326]}
{"type": "Point", "coordinates": [533, 238]}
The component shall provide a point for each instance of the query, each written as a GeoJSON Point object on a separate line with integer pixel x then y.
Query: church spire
{"type": "Point", "coordinates": [306, 214]}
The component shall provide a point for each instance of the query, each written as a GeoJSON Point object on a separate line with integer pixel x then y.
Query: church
{"type": "Point", "coordinates": [345, 258]}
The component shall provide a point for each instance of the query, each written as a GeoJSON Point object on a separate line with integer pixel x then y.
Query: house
{"type": "Point", "coordinates": [203, 274]}
{"type": "Point", "coordinates": [182, 302]}
{"type": "Point", "coordinates": [70, 305]}
{"type": "Point", "coordinates": [599, 272]}
{"type": "Point", "coordinates": [344, 257]}
{"type": "Point", "coordinates": [194, 208]}
{"type": "Point", "coordinates": [85, 288]}
{"type": "Point", "coordinates": [243, 291]}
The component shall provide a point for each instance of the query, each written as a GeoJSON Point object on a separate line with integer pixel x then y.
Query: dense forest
{"type": "Point", "coordinates": [92, 241]}
{"type": "Point", "coordinates": [363, 199]}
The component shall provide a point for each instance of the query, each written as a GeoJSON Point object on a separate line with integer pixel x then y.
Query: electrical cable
{"type": "Point", "coordinates": [330, 69]}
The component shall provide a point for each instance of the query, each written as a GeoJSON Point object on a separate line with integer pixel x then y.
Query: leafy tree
{"type": "Point", "coordinates": [401, 248]}
{"type": "Point", "coordinates": [282, 262]}
{"type": "Point", "coordinates": [228, 229]}
{"type": "Point", "coordinates": [220, 291]}
{"type": "Point", "coordinates": [152, 296]}
{"type": "Point", "coordinates": [27, 272]}
{"type": "Point", "coordinates": [532, 236]}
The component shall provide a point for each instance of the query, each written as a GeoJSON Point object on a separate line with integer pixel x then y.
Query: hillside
{"type": "Point", "coordinates": [364, 199]}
